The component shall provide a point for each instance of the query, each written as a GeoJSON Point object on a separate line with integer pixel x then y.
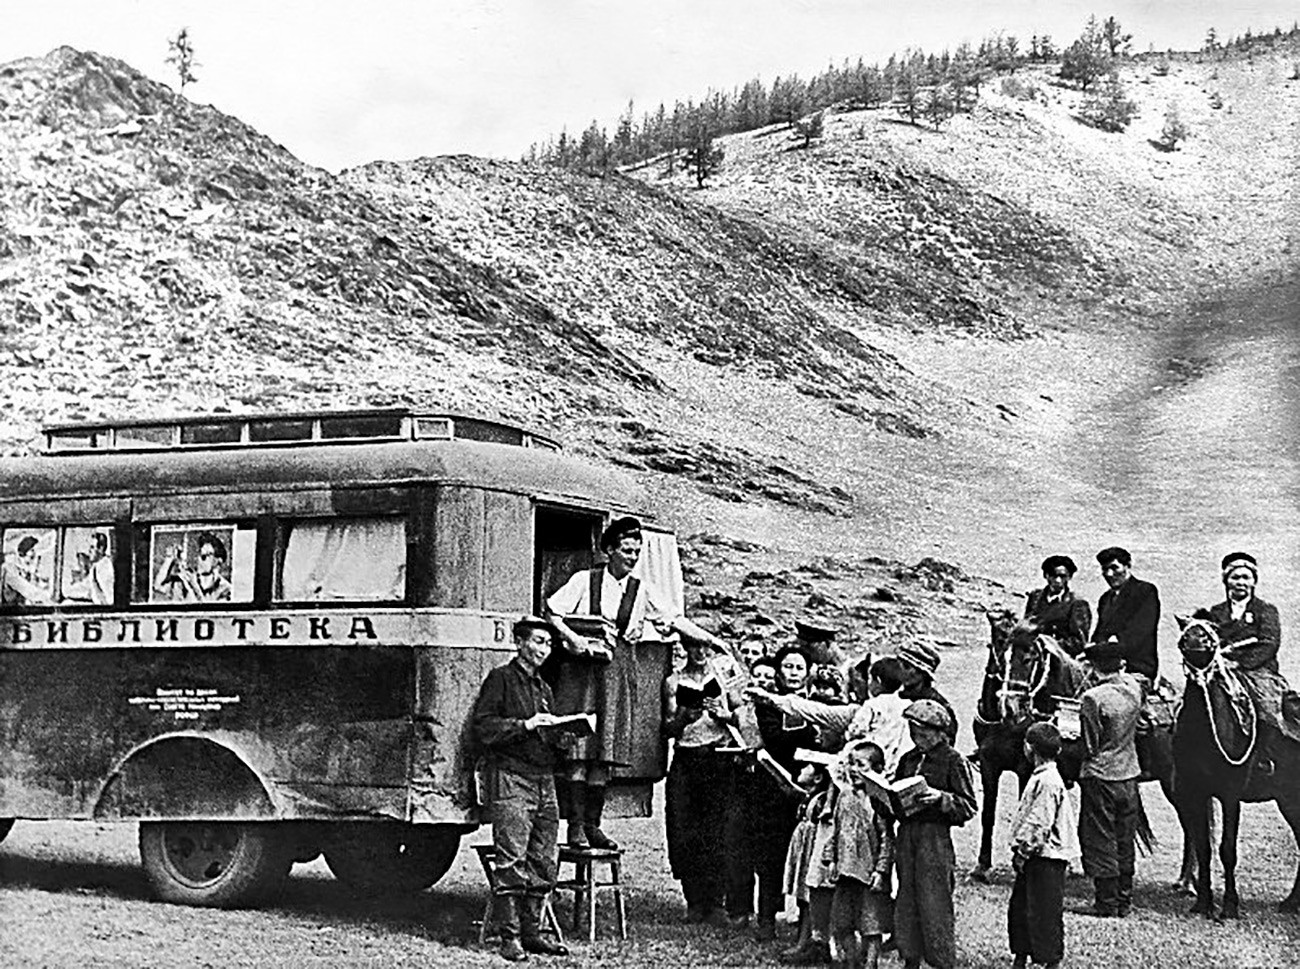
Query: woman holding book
{"type": "Point", "coordinates": [926, 865]}
{"type": "Point", "coordinates": [698, 705]}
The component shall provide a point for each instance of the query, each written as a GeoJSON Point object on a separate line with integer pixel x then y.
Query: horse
{"type": "Point", "coordinates": [1026, 677]}
{"type": "Point", "coordinates": [1215, 757]}
{"type": "Point", "coordinates": [1009, 702]}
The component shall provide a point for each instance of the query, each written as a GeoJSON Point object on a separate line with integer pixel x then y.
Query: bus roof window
{"type": "Point", "coordinates": [76, 440]}
{"type": "Point", "coordinates": [374, 425]}
{"type": "Point", "coordinates": [227, 432]}
{"type": "Point", "coordinates": [469, 429]}
{"type": "Point", "coordinates": [280, 430]}
{"type": "Point", "coordinates": [144, 436]}
{"type": "Point", "coordinates": [433, 428]}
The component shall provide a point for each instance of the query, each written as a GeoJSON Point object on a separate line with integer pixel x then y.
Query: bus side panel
{"type": "Point", "coordinates": [443, 761]}
{"type": "Point", "coordinates": [326, 729]}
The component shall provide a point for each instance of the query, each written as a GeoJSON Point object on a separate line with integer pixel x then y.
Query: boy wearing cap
{"type": "Point", "coordinates": [920, 663]}
{"type": "Point", "coordinates": [923, 852]}
{"type": "Point", "coordinates": [1043, 841]}
{"type": "Point", "coordinates": [510, 722]}
{"type": "Point", "coordinates": [1055, 610]}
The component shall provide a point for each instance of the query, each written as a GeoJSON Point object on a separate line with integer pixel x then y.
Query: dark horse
{"type": "Point", "coordinates": [1026, 677]}
{"type": "Point", "coordinates": [1214, 756]}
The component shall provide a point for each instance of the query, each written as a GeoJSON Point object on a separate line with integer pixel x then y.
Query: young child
{"type": "Point", "coordinates": [1043, 840]}
{"type": "Point", "coordinates": [862, 856]}
{"type": "Point", "coordinates": [923, 916]}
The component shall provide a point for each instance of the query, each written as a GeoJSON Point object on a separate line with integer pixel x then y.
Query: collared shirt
{"type": "Point", "coordinates": [1108, 716]}
{"type": "Point", "coordinates": [509, 696]}
{"type": "Point", "coordinates": [1044, 826]}
{"type": "Point", "coordinates": [574, 599]}
{"type": "Point", "coordinates": [1237, 607]}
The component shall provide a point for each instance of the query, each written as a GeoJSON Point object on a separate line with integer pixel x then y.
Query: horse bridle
{"type": "Point", "coordinates": [1216, 668]}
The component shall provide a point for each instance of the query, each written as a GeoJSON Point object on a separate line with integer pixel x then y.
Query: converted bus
{"type": "Point", "coordinates": [260, 637]}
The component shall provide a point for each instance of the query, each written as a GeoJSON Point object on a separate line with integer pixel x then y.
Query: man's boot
{"type": "Point", "coordinates": [1124, 895]}
{"type": "Point", "coordinates": [1106, 897]}
{"type": "Point", "coordinates": [530, 929]}
{"type": "Point", "coordinates": [595, 808]}
{"type": "Point", "coordinates": [577, 836]}
{"type": "Point", "coordinates": [507, 913]}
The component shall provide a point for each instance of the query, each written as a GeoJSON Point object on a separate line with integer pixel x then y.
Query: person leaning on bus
{"type": "Point", "coordinates": [606, 684]}
{"type": "Point", "coordinates": [512, 721]}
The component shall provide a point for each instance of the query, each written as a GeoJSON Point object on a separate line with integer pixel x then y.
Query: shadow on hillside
{"type": "Point", "coordinates": [1162, 146]}
{"type": "Point", "coordinates": [919, 126]}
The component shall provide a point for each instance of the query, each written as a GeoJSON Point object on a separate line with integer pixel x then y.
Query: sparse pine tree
{"type": "Point", "coordinates": [811, 128]}
{"type": "Point", "coordinates": [907, 94]}
{"type": "Point", "coordinates": [702, 158]}
{"type": "Point", "coordinates": [1211, 41]}
{"type": "Point", "coordinates": [1116, 40]}
{"type": "Point", "coordinates": [182, 55]}
{"type": "Point", "coordinates": [1174, 130]}
{"type": "Point", "coordinates": [871, 88]}
{"type": "Point", "coordinates": [1086, 59]}
{"type": "Point", "coordinates": [939, 106]}
{"type": "Point", "coordinates": [1109, 107]}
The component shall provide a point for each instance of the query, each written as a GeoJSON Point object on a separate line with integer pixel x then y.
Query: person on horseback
{"type": "Point", "coordinates": [1055, 610]}
{"type": "Point", "coordinates": [1110, 804]}
{"type": "Point", "coordinates": [1251, 634]}
{"type": "Point", "coordinates": [1128, 613]}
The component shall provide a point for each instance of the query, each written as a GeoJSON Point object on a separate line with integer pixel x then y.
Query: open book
{"type": "Point", "coordinates": [576, 723]}
{"type": "Point", "coordinates": [691, 694]}
{"type": "Point", "coordinates": [901, 795]}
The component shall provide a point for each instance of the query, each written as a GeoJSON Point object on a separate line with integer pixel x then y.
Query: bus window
{"type": "Point", "coordinates": [343, 560]}
{"type": "Point", "coordinates": [565, 542]}
{"type": "Point", "coordinates": [27, 570]}
{"type": "Point", "coordinates": [208, 562]}
{"type": "Point", "coordinates": [88, 574]}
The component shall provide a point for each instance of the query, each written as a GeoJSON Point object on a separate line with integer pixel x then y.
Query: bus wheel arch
{"type": "Point", "coordinates": [185, 776]}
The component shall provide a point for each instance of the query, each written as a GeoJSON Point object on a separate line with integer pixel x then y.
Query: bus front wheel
{"type": "Point", "coordinates": [216, 864]}
{"type": "Point", "coordinates": [384, 859]}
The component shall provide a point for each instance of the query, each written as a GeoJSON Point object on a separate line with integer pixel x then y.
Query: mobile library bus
{"type": "Point", "coordinates": [261, 636]}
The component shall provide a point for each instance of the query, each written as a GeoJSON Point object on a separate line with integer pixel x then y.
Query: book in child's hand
{"type": "Point", "coordinates": [694, 694]}
{"type": "Point", "coordinates": [901, 795]}
{"type": "Point", "coordinates": [575, 723]}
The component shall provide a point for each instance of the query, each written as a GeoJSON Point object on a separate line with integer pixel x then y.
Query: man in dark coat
{"type": "Point", "coordinates": [516, 731]}
{"type": "Point", "coordinates": [1055, 610]}
{"type": "Point", "coordinates": [1250, 634]}
{"type": "Point", "coordinates": [1128, 613]}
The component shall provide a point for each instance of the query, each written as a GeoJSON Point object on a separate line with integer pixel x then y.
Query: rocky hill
{"type": "Point", "coordinates": [848, 346]}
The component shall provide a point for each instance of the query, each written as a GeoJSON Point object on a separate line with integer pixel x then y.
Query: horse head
{"type": "Point", "coordinates": [1198, 642]}
{"type": "Point", "coordinates": [1025, 674]}
{"type": "Point", "coordinates": [1001, 623]}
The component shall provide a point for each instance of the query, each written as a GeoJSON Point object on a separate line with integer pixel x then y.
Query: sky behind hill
{"type": "Point", "coordinates": [340, 82]}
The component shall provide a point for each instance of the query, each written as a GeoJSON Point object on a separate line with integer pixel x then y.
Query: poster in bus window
{"type": "Point", "coordinates": [27, 569]}
{"type": "Point", "coordinates": [88, 575]}
{"type": "Point", "coordinates": [201, 563]}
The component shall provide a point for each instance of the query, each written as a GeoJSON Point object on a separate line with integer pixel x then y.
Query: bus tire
{"type": "Point", "coordinates": [391, 859]}
{"type": "Point", "coordinates": [213, 863]}
{"type": "Point", "coordinates": [5, 825]}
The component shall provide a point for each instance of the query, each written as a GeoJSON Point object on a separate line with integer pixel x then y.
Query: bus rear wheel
{"type": "Point", "coordinates": [215, 864]}
{"type": "Point", "coordinates": [5, 825]}
{"type": "Point", "coordinates": [391, 859]}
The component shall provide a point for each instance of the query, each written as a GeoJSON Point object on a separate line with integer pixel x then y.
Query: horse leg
{"type": "Point", "coordinates": [990, 774]}
{"type": "Point", "coordinates": [1228, 855]}
{"type": "Point", "coordinates": [1193, 811]}
{"type": "Point", "coordinates": [1290, 808]}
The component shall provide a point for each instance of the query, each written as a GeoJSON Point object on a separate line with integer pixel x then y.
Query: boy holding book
{"type": "Point", "coordinates": [1043, 840]}
{"type": "Point", "coordinates": [923, 853]}
{"type": "Point", "coordinates": [862, 855]}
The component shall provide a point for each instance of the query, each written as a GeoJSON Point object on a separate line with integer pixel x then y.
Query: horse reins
{"type": "Point", "coordinates": [1201, 676]}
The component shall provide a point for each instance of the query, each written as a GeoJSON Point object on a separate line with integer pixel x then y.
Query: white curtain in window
{"type": "Point", "coordinates": [345, 559]}
{"type": "Point", "coordinates": [660, 571]}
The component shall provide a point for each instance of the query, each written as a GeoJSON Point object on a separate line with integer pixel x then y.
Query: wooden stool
{"type": "Point", "coordinates": [486, 856]}
{"type": "Point", "coordinates": [586, 886]}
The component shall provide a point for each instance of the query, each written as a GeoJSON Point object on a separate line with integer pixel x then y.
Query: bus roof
{"type": "Point", "coordinates": [537, 472]}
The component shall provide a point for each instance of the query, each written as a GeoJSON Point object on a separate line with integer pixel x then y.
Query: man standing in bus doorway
{"type": "Point", "coordinates": [604, 683]}
{"type": "Point", "coordinates": [513, 725]}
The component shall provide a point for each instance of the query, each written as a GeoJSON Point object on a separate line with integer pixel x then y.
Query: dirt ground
{"type": "Point", "coordinates": [74, 895]}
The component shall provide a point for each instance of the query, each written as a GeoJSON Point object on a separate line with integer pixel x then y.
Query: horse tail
{"type": "Point", "coordinates": [1146, 838]}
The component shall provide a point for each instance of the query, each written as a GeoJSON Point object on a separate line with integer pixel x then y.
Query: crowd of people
{"type": "Point", "coordinates": [802, 775]}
